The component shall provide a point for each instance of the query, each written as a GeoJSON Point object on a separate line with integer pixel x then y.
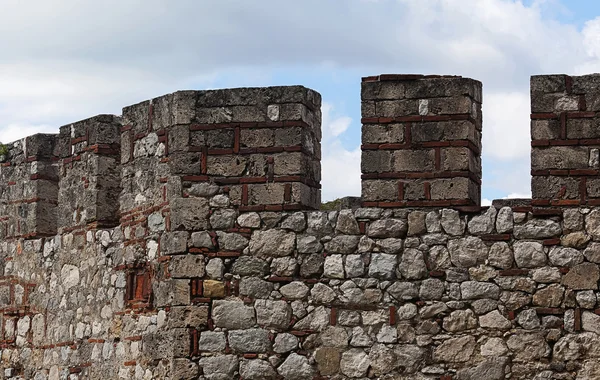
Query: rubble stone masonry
{"type": "Point", "coordinates": [183, 240]}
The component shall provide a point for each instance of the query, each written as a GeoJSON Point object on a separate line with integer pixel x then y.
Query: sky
{"type": "Point", "coordinates": [66, 60]}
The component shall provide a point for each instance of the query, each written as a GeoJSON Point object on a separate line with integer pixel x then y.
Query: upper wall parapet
{"type": "Point", "coordinates": [29, 190]}
{"type": "Point", "coordinates": [421, 141]}
{"type": "Point", "coordinates": [421, 147]}
{"type": "Point", "coordinates": [565, 140]}
{"type": "Point", "coordinates": [262, 144]}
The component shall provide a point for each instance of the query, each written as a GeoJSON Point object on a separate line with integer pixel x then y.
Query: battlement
{"type": "Point", "coordinates": [183, 240]}
{"type": "Point", "coordinates": [421, 141]}
{"type": "Point", "coordinates": [421, 147]}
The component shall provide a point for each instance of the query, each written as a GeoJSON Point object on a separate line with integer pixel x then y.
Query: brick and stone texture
{"type": "Point", "coordinates": [29, 192]}
{"type": "Point", "coordinates": [421, 141]}
{"type": "Point", "coordinates": [565, 140]}
{"type": "Point", "coordinates": [161, 270]}
{"type": "Point", "coordinates": [89, 146]}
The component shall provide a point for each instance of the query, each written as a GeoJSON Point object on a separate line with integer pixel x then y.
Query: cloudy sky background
{"type": "Point", "coordinates": [65, 60]}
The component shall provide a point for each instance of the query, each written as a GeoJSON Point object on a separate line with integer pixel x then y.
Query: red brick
{"type": "Point", "coordinates": [513, 272]}
{"type": "Point", "coordinates": [496, 237]}
{"type": "Point", "coordinates": [549, 311]}
{"type": "Point", "coordinates": [333, 317]}
{"type": "Point", "coordinates": [539, 116]}
{"type": "Point", "coordinates": [565, 202]}
{"type": "Point", "coordinates": [555, 241]}
{"type": "Point", "coordinates": [374, 78]}
{"type": "Point", "coordinates": [399, 77]}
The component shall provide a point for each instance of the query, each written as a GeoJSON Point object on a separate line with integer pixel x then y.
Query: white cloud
{"type": "Point", "coordinates": [333, 126]}
{"type": "Point", "coordinates": [340, 166]}
{"type": "Point", "coordinates": [518, 195]}
{"type": "Point", "coordinates": [591, 37]}
{"type": "Point", "coordinates": [506, 130]}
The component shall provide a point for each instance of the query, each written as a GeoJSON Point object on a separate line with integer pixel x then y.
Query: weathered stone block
{"type": "Point", "coordinates": [445, 131]}
{"type": "Point", "coordinates": [376, 161]}
{"type": "Point", "coordinates": [214, 289]}
{"type": "Point", "coordinates": [379, 190]}
{"type": "Point", "coordinates": [414, 190]}
{"type": "Point", "coordinates": [188, 316]}
{"type": "Point", "coordinates": [249, 341]}
{"type": "Point", "coordinates": [549, 187]}
{"type": "Point", "coordinates": [233, 315]}
{"type": "Point", "coordinates": [396, 108]}
{"type": "Point", "coordinates": [174, 242]}
{"type": "Point", "coordinates": [455, 159]}
{"type": "Point", "coordinates": [582, 276]}
{"type": "Point", "coordinates": [189, 213]}
{"type": "Point", "coordinates": [455, 188]}
{"type": "Point", "coordinates": [443, 87]}
{"type": "Point", "coordinates": [559, 157]}
{"type": "Point", "coordinates": [187, 266]}
{"type": "Point", "coordinates": [273, 314]}
{"type": "Point", "coordinates": [588, 86]}
{"type": "Point", "coordinates": [582, 129]}
{"type": "Point", "coordinates": [382, 90]}
{"type": "Point", "coordinates": [294, 136]}
{"type": "Point", "coordinates": [408, 160]}
{"type": "Point", "coordinates": [450, 105]}
{"type": "Point", "coordinates": [545, 129]}
{"type": "Point", "coordinates": [383, 134]}
{"type": "Point", "coordinates": [547, 84]}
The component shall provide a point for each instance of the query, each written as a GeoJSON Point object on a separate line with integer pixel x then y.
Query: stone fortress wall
{"type": "Point", "coordinates": [183, 240]}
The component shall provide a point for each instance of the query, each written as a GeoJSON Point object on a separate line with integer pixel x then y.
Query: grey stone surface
{"type": "Point", "coordinates": [528, 319]}
{"type": "Point", "coordinates": [273, 314]}
{"type": "Point", "coordinates": [346, 223]}
{"type": "Point", "coordinates": [501, 255]}
{"type": "Point", "coordinates": [494, 321]}
{"type": "Point", "coordinates": [452, 223]}
{"type": "Point", "coordinates": [386, 228]}
{"type": "Point", "coordinates": [483, 224]}
{"type": "Point", "coordinates": [294, 290]}
{"type": "Point", "coordinates": [257, 370]}
{"type": "Point", "coordinates": [285, 342]}
{"type": "Point", "coordinates": [250, 266]}
{"type": "Point", "coordinates": [412, 265]}
{"type": "Point", "coordinates": [296, 367]}
{"type": "Point", "coordinates": [504, 220]}
{"type": "Point", "coordinates": [529, 254]}
{"type": "Point", "coordinates": [355, 363]}
{"type": "Point", "coordinates": [467, 252]}
{"type": "Point", "coordinates": [233, 315]}
{"type": "Point", "coordinates": [212, 341]}
{"type": "Point", "coordinates": [565, 257]}
{"type": "Point", "coordinates": [460, 320]}
{"type": "Point", "coordinates": [537, 229]}
{"type": "Point", "coordinates": [382, 266]}
{"type": "Point", "coordinates": [478, 290]}
{"type": "Point", "coordinates": [272, 243]}
{"type": "Point", "coordinates": [249, 340]}
{"type": "Point", "coordinates": [458, 349]}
